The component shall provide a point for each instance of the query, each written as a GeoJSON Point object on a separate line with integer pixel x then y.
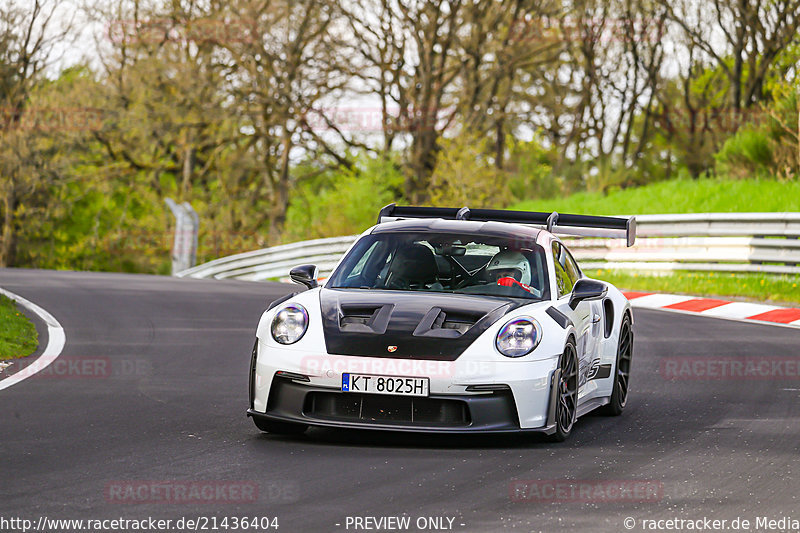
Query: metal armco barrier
{"type": "Point", "coordinates": [720, 242]}
{"type": "Point", "coordinates": [275, 262]}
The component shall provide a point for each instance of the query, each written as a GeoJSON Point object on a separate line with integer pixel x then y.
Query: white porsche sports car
{"type": "Point", "coordinates": [448, 320]}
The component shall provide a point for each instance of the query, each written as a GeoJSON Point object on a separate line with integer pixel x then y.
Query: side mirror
{"type": "Point", "coordinates": [305, 275]}
{"type": "Point", "coordinates": [587, 289]}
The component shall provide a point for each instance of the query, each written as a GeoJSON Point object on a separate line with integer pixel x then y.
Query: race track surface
{"type": "Point", "coordinates": [162, 393]}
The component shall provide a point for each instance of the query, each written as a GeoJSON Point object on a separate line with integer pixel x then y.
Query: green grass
{"type": "Point", "coordinates": [18, 337]}
{"type": "Point", "coordinates": [691, 196]}
{"type": "Point", "coordinates": [773, 288]}
{"type": "Point", "coordinates": [679, 196]}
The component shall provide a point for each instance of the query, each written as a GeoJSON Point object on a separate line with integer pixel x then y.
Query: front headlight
{"type": "Point", "coordinates": [518, 337]}
{"type": "Point", "coordinates": [290, 324]}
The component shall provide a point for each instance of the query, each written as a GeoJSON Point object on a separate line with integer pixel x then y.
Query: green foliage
{"type": "Point", "coordinates": [465, 175]}
{"type": "Point", "coordinates": [606, 176]}
{"type": "Point", "coordinates": [530, 168]}
{"type": "Point", "coordinates": [91, 182]}
{"type": "Point", "coordinates": [769, 145]}
{"type": "Point", "coordinates": [220, 124]}
{"type": "Point", "coordinates": [784, 129]}
{"type": "Point", "coordinates": [745, 154]}
{"type": "Point", "coordinates": [78, 210]}
{"type": "Point", "coordinates": [18, 337]}
{"type": "Point", "coordinates": [343, 201]}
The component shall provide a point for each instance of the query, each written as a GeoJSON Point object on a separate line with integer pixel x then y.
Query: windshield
{"type": "Point", "coordinates": [455, 263]}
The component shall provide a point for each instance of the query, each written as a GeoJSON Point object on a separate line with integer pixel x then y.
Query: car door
{"type": "Point", "coordinates": [594, 330]}
{"type": "Point", "coordinates": [567, 274]}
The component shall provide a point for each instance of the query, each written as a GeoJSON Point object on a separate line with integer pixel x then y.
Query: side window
{"type": "Point", "coordinates": [573, 271]}
{"type": "Point", "coordinates": [564, 282]}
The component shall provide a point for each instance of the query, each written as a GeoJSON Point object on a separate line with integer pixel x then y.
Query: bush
{"type": "Point", "coordinates": [770, 146]}
{"type": "Point", "coordinates": [746, 154]}
{"type": "Point", "coordinates": [531, 168]}
{"type": "Point", "coordinates": [465, 175]}
{"type": "Point", "coordinates": [342, 201]}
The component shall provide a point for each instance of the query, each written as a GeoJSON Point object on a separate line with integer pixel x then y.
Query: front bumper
{"type": "Point", "coordinates": [493, 412]}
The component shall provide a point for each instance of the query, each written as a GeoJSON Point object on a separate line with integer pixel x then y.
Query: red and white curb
{"type": "Point", "coordinates": [786, 316]}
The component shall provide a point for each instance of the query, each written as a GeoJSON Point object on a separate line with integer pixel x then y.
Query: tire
{"type": "Point", "coordinates": [567, 396]}
{"type": "Point", "coordinates": [280, 428]}
{"type": "Point", "coordinates": [622, 370]}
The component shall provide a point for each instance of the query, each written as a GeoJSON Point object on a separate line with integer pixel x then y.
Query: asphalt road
{"type": "Point", "coordinates": [158, 389]}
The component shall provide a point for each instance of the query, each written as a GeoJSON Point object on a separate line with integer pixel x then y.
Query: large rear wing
{"type": "Point", "coordinates": [582, 225]}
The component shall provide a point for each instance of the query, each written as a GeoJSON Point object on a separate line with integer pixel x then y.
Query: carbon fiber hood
{"type": "Point", "coordinates": [404, 324]}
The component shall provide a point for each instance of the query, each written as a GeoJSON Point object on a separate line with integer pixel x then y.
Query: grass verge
{"type": "Point", "coordinates": [710, 195]}
{"type": "Point", "coordinates": [760, 287]}
{"type": "Point", "coordinates": [18, 337]}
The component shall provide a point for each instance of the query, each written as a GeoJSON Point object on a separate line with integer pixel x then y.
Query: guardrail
{"type": "Point", "coordinates": [723, 242]}
{"type": "Point", "coordinates": [275, 262]}
{"type": "Point", "coordinates": [719, 242]}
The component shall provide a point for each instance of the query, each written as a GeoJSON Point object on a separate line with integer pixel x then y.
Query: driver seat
{"type": "Point", "coordinates": [414, 266]}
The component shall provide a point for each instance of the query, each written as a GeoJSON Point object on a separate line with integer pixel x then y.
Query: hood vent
{"type": "Point", "coordinates": [365, 318]}
{"type": "Point", "coordinates": [446, 324]}
{"type": "Point", "coordinates": [406, 324]}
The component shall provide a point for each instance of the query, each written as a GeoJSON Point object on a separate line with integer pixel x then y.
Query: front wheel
{"type": "Point", "coordinates": [619, 394]}
{"type": "Point", "coordinates": [566, 393]}
{"type": "Point", "coordinates": [280, 428]}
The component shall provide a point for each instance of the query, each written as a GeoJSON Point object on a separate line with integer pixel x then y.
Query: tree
{"type": "Point", "coordinates": [596, 102]}
{"type": "Point", "coordinates": [172, 126]}
{"type": "Point", "coordinates": [280, 69]}
{"type": "Point", "coordinates": [28, 36]}
{"type": "Point", "coordinates": [464, 175]}
{"type": "Point", "coordinates": [440, 67]}
{"type": "Point", "coordinates": [744, 38]}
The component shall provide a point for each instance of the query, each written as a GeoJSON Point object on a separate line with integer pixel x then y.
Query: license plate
{"type": "Point", "coordinates": [385, 385]}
